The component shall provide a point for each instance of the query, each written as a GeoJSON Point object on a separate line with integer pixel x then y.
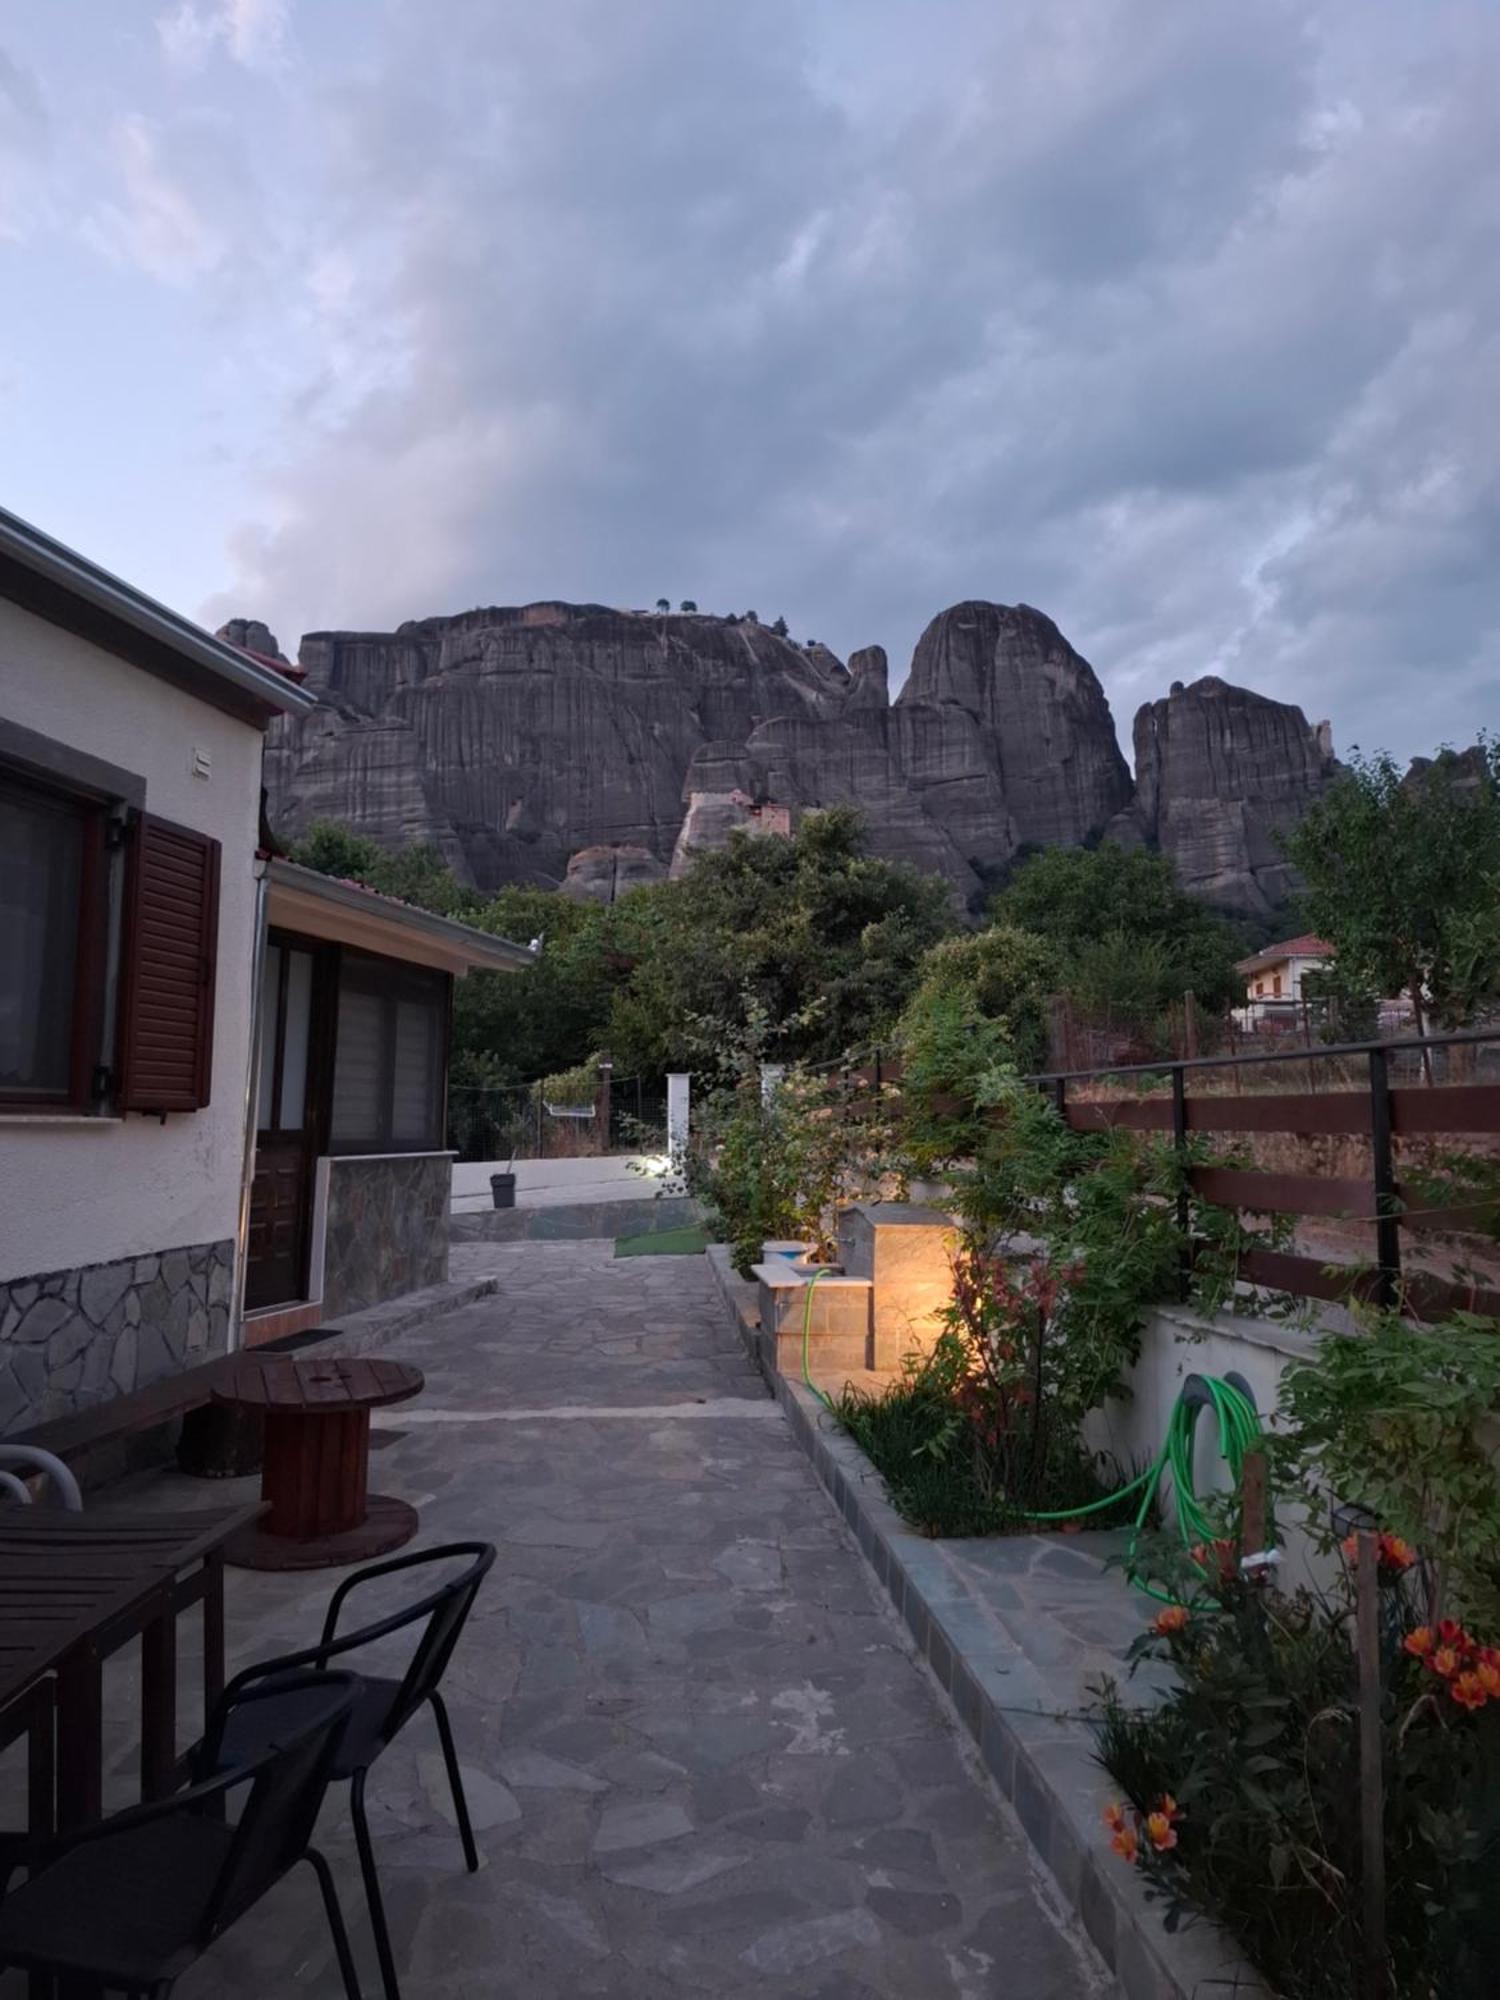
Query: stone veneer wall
{"type": "Point", "coordinates": [71, 1338]}
{"type": "Point", "coordinates": [387, 1228]}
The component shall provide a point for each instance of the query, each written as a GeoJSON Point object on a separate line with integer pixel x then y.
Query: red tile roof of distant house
{"type": "Point", "coordinates": [1306, 946]}
{"type": "Point", "coordinates": [275, 666]}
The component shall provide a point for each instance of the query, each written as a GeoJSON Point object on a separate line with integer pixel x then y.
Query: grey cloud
{"type": "Point", "coordinates": [1173, 320]}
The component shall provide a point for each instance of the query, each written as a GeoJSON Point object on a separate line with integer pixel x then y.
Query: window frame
{"type": "Point", "coordinates": [88, 1079]}
{"type": "Point", "coordinates": [390, 980]}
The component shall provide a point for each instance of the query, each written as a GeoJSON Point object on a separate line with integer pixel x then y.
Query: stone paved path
{"type": "Point", "coordinates": [700, 1758]}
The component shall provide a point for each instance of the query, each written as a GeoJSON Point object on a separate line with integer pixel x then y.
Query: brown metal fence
{"type": "Point", "coordinates": [1370, 1119]}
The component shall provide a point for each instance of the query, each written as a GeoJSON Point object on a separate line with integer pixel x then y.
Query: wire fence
{"type": "Point", "coordinates": [508, 1122]}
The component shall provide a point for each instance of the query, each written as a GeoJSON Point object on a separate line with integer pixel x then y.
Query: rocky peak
{"type": "Point", "coordinates": [253, 635]}
{"type": "Point", "coordinates": [1220, 773]}
{"type": "Point", "coordinates": [1040, 710]}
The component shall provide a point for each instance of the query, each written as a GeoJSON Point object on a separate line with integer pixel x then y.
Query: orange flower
{"type": "Point", "coordinates": [1114, 1818]}
{"type": "Point", "coordinates": [1418, 1641]}
{"type": "Point", "coordinates": [1488, 1675]}
{"type": "Point", "coordinates": [1169, 1808]}
{"type": "Point", "coordinates": [1395, 1553]}
{"type": "Point", "coordinates": [1468, 1692]}
{"type": "Point", "coordinates": [1451, 1633]}
{"type": "Point", "coordinates": [1445, 1661]}
{"type": "Point", "coordinates": [1173, 1619]}
{"type": "Point", "coordinates": [1161, 1832]}
{"type": "Point", "coordinates": [1127, 1844]}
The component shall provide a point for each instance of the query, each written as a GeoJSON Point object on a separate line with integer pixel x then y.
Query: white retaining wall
{"type": "Point", "coordinates": [1178, 1343]}
{"type": "Point", "coordinates": [556, 1183]}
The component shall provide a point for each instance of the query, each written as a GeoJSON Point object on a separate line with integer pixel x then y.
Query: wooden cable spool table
{"type": "Point", "coordinates": [314, 1479]}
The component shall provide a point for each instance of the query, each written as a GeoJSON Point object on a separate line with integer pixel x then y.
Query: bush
{"type": "Point", "coordinates": [1242, 1786]}
{"type": "Point", "coordinates": [780, 1168]}
{"type": "Point", "coordinates": [982, 1435]}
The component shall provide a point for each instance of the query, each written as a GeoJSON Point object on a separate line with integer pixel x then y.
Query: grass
{"type": "Point", "coordinates": [689, 1242]}
{"type": "Point", "coordinates": [942, 1486]}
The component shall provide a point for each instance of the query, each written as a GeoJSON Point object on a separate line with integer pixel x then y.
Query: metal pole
{"type": "Point", "coordinates": [1371, 1786]}
{"type": "Point", "coordinates": [1180, 1143]}
{"type": "Point", "coordinates": [1387, 1209]}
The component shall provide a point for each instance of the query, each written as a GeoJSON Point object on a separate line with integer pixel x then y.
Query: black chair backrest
{"type": "Point", "coordinates": [287, 1781]}
{"type": "Point", "coordinates": [446, 1611]}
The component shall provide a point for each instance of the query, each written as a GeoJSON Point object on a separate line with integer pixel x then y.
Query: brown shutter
{"type": "Point", "coordinates": [170, 950]}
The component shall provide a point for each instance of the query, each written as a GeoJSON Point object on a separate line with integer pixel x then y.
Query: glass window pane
{"type": "Point", "coordinates": [41, 871]}
{"type": "Point", "coordinates": [270, 987]}
{"type": "Point", "coordinates": [358, 1099]}
{"type": "Point", "coordinates": [294, 1049]}
{"type": "Point", "coordinates": [414, 1085]}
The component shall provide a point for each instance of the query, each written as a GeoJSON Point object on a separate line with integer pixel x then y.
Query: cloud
{"type": "Point", "coordinates": [1176, 321]}
{"type": "Point", "coordinates": [256, 33]}
{"type": "Point", "coordinates": [25, 139]}
{"type": "Point", "coordinates": [158, 224]}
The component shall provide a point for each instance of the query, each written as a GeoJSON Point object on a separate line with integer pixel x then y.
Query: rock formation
{"type": "Point", "coordinates": [595, 749]}
{"type": "Point", "coordinates": [1220, 772]}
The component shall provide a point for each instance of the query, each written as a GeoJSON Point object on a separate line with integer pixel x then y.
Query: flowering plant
{"type": "Point", "coordinates": [1242, 1785]}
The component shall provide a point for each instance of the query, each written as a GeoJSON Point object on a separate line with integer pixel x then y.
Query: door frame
{"type": "Point", "coordinates": [322, 1027]}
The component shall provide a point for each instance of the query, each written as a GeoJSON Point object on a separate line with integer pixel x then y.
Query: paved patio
{"type": "Point", "coordinates": [700, 1756]}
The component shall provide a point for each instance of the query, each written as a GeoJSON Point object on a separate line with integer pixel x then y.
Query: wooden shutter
{"type": "Point", "coordinates": [170, 951]}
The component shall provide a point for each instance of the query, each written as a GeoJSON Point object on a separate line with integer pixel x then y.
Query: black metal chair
{"type": "Point", "coordinates": [382, 1707]}
{"type": "Point", "coordinates": [130, 1904]}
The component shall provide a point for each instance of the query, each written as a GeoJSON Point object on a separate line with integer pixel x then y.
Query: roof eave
{"type": "Point", "coordinates": [479, 950]}
{"type": "Point", "coordinates": [206, 666]}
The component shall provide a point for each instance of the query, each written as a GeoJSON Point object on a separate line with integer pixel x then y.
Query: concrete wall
{"type": "Point", "coordinates": [1177, 1344]}
{"type": "Point", "coordinates": [86, 1191]}
{"type": "Point", "coordinates": [553, 1183]}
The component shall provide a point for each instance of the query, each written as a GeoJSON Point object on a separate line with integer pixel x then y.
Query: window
{"type": "Point", "coordinates": [390, 1057]}
{"type": "Point", "coordinates": [286, 1013]}
{"type": "Point", "coordinates": [1276, 986]}
{"type": "Point", "coordinates": [52, 917]}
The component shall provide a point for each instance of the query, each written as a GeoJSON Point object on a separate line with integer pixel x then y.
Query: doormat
{"type": "Point", "coordinates": [690, 1242]}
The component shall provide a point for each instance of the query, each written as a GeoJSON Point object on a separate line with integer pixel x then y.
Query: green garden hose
{"type": "Point", "coordinates": [1239, 1434]}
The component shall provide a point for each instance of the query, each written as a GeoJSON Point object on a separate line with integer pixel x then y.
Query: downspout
{"type": "Point", "coordinates": [252, 1102]}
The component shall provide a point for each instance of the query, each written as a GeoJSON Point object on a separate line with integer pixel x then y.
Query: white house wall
{"type": "Point", "coordinates": [86, 1192]}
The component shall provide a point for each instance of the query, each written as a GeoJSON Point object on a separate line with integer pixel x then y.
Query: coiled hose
{"type": "Point", "coordinates": [1239, 1428]}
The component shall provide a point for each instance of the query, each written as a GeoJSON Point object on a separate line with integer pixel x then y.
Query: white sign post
{"type": "Point", "coordinates": [679, 1099]}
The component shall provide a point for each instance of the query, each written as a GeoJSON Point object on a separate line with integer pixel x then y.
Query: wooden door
{"type": "Point", "coordinates": [281, 1190]}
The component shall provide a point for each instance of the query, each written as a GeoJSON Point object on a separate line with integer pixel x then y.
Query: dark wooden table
{"type": "Point", "coordinates": [315, 1476]}
{"type": "Point", "coordinates": [74, 1588]}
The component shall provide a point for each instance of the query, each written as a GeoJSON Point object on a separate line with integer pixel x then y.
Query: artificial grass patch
{"type": "Point", "coordinates": [689, 1242]}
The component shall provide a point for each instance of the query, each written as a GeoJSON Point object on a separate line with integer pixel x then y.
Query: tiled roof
{"type": "Point", "coordinates": [1306, 946]}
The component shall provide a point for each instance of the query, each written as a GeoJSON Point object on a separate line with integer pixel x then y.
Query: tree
{"type": "Point", "coordinates": [780, 628]}
{"type": "Point", "coordinates": [752, 618]}
{"type": "Point", "coordinates": [416, 874]}
{"type": "Point", "coordinates": [1403, 879]}
{"type": "Point", "coordinates": [688, 604]}
{"type": "Point", "coordinates": [788, 948]}
{"type": "Point", "coordinates": [509, 1027]}
{"type": "Point", "coordinates": [663, 604]}
{"type": "Point", "coordinates": [336, 850]}
{"type": "Point", "coordinates": [1129, 939]}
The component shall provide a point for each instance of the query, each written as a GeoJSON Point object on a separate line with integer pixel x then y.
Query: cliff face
{"type": "Point", "coordinates": [513, 738]}
{"type": "Point", "coordinates": [1220, 772]}
{"type": "Point", "coordinates": [574, 744]}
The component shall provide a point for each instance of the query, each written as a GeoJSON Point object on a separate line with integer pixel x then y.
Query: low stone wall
{"type": "Point", "coordinates": [387, 1228]}
{"type": "Point", "coordinates": [72, 1338]}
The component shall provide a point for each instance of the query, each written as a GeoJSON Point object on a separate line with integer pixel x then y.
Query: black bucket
{"type": "Point", "coordinates": [503, 1188]}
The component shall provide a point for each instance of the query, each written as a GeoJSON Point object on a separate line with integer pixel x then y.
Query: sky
{"type": "Point", "coordinates": [1175, 318]}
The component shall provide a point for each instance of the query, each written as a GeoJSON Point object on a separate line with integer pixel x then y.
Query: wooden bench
{"type": "Point", "coordinates": [84, 1437]}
